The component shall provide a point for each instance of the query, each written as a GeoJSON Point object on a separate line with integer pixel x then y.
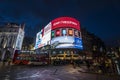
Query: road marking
{"type": "Point", "coordinates": [45, 71]}
{"type": "Point", "coordinates": [33, 75]}
{"type": "Point", "coordinates": [7, 77]}
{"type": "Point", "coordinates": [23, 77]}
{"type": "Point", "coordinates": [21, 72]}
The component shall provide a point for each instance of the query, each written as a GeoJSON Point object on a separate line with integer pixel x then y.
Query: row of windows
{"type": "Point", "coordinates": [65, 32]}
{"type": "Point", "coordinates": [7, 36]}
{"type": "Point", "coordinates": [6, 30]}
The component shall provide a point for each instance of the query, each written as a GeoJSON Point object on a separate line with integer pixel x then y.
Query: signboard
{"type": "Point", "coordinates": [61, 38]}
{"type": "Point", "coordinates": [39, 40]}
{"type": "Point", "coordinates": [63, 22]}
{"type": "Point", "coordinates": [19, 39]}
{"type": "Point", "coordinates": [43, 37]}
{"type": "Point", "coordinates": [47, 35]}
{"type": "Point", "coordinates": [67, 42]}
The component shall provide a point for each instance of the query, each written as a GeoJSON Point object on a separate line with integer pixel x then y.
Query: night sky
{"type": "Point", "coordinates": [101, 17]}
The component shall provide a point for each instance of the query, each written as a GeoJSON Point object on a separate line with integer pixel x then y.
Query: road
{"type": "Point", "coordinates": [66, 72]}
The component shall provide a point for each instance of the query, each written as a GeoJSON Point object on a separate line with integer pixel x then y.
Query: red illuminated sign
{"type": "Point", "coordinates": [58, 33]}
{"type": "Point", "coordinates": [67, 22]}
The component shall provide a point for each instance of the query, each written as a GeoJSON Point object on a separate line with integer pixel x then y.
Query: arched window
{"type": "Point", "coordinates": [2, 41]}
{"type": "Point", "coordinates": [0, 55]}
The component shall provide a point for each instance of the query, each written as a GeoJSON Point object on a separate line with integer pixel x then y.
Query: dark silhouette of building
{"type": "Point", "coordinates": [93, 45]}
{"type": "Point", "coordinates": [28, 43]}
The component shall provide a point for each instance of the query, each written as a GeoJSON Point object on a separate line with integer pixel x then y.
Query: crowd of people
{"type": "Point", "coordinates": [98, 65]}
{"type": "Point", "coordinates": [101, 65]}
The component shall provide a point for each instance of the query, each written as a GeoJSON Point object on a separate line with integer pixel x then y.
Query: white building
{"type": "Point", "coordinates": [11, 38]}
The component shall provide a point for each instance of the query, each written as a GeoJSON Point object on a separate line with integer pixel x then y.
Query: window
{"type": "Point", "coordinates": [60, 52]}
{"type": "Point", "coordinates": [68, 55]}
{"type": "Point", "coordinates": [2, 40]}
{"type": "Point", "coordinates": [60, 56]}
{"type": "Point", "coordinates": [75, 55]}
{"type": "Point", "coordinates": [54, 52]}
{"type": "Point", "coordinates": [68, 52]}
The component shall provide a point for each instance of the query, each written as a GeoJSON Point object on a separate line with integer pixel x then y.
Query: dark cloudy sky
{"type": "Point", "coordinates": [101, 17]}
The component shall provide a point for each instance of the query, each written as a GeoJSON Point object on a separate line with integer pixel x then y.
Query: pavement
{"type": "Point", "coordinates": [84, 69]}
{"type": "Point", "coordinates": [64, 72]}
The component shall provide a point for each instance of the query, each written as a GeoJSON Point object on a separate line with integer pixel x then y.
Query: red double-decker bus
{"type": "Point", "coordinates": [30, 57]}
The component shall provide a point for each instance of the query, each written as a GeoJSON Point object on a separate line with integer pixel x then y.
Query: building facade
{"type": "Point", "coordinates": [93, 45]}
{"type": "Point", "coordinates": [11, 38]}
{"type": "Point", "coordinates": [63, 34]}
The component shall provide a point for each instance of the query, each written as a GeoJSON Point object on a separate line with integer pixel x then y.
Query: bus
{"type": "Point", "coordinates": [30, 58]}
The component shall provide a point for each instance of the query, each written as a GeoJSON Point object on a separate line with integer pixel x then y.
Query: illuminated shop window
{"type": "Point", "coordinates": [60, 52]}
{"type": "Point", "coordinates": [70, 32]}
{"type": "Point", "coordinates": [53, 34]}
{"type": "Point", "coordinates": [57, 32]}
{"type": "Point", "coordinates": [71, 52]}
{"type": "Point", "coordinates": [63, 32]}
{"type": "Point", "coordinates": [68, 52]}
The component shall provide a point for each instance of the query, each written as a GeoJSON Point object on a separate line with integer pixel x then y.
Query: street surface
{"type": "Point", "coordinates": [66, 72]}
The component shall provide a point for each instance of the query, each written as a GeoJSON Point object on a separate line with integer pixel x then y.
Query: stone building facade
{"type": "Point", "coordinates": [11, 38]}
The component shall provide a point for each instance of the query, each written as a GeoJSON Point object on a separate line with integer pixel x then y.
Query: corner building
{"type": "Point", "coordinates": [11, 38]}
{"type": "Point", "coordinates": [62, 34]}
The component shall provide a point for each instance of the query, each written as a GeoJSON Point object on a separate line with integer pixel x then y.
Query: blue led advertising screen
{"type": "Point", "coordinates": [67, 42]}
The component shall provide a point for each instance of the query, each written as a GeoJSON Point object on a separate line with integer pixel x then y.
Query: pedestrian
{"type": "Point", "coordinates": [107, 65]}
{"type": "Point", "coordinates": [88, 64]}
{"type": "Point", "coordinates": [74, 64]}
{"type": "Point", "coordinates": [102, 68]}
{"type": "Point", "coordinates": [9, 61]}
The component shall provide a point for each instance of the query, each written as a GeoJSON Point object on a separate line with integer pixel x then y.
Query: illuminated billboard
{"type": "Point", "coordinates": [67, 42]}
{"type": "Point", "coordinates": [63, 22]}
{"type": "Point", "coordinates": [46, 35]}
{"type": "Point", "coordinates": [39, 40]}
{"type": "Point", "coordinates": [63, 32]}
{"type": "Point", "coordinates": [43, 37]}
